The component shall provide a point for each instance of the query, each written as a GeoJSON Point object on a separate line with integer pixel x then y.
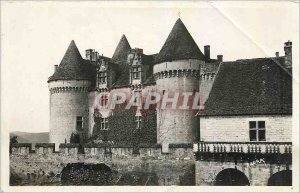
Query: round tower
{"type": "Point", "coordinates": [69, 86]}
{"type": "Point", "coordinates": [177, 69]}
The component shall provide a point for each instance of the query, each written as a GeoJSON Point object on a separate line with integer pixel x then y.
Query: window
{"type": "Point", "coordinates": [104, 100]}
{"type": "Point", "coordinates": [101, 77]}
{"type": "Point", "coordinates": [136, 72]}
{"type": "Point", "coordinates": [104, 124]}
{"type": "Point", "coordinates": [138, 120]}
{"type": "Point", "coordinates": [257, 130]}
{"type": "Point", "coordinates": [79, 122]}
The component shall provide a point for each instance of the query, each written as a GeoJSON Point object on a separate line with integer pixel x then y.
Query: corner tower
{"type": "Point", "coordinates": [177, 69]}
{"type": "Point", "coordinates": [68, 88]}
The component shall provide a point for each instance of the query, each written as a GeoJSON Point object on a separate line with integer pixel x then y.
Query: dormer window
{"type": "Point", "coordinates": [101, 77]}
{"type": "Point", "coordinates": [136, 72]}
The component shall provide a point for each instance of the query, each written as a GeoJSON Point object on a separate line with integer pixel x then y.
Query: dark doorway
{"type": "Point", "coordinates": [282, 178]}
{"type": "Point", "coordinates": [231, 177]}
{"type": "Point", "coordinates": [81, 174]}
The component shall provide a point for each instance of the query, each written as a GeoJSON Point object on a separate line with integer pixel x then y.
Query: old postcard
{"type": "Point", "coordinates": [149, 96]}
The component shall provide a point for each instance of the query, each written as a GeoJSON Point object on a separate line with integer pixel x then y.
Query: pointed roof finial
{"type": "Point", "coordinates": [179, 14]}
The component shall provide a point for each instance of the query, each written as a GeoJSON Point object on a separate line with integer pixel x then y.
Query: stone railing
{"type": "Point", "coordinates": [244, 147]}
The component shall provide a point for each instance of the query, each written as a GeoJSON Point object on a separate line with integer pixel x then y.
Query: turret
{"type": "Point", "coordinates": [177, 69]}
{"type": "Point", "coordinates": [68, 88]}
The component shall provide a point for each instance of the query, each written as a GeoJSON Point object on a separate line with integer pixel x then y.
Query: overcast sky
{"type": "Point", "coordinates": [35, 36]}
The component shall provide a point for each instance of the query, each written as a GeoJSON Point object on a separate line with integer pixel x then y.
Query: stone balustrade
{"type": "Point", "coordinates": [244, 147]}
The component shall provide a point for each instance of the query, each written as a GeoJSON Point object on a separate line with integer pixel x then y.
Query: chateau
{"type": "Point", "coordinates": [241, 133]}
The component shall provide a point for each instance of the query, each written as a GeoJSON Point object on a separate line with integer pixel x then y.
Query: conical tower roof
{"type": "Point", "coordinates": [122, 50]}
{"type": "Point", "coordinates": [120, 57]}
{"type": "Point", "coordinates": [179, 45]}
{"type": "Point", "coordinates": [72, 66]}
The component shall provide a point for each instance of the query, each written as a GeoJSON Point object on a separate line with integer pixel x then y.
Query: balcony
{"type": "Point", "coordinates": [244, 152]}
{"type": "Point", "coordinates": [244, 147]}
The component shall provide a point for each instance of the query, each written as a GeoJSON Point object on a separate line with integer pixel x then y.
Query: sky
{"type": "Point", "coordinates": [35, 36]}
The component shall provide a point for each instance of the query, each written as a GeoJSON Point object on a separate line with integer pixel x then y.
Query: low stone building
{"type": "Point", "coordinates": [246, 125]}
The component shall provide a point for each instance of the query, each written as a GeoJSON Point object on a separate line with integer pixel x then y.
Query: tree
{"type": "Point", "coordinates": [75, 138]}
{"type": "Point", "coordinates": [14, 139]}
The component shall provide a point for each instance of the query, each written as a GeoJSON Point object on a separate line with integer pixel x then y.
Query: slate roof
{"type": "Point", "coordinates": [120, 57]}
{"type": "Point", "coordinates": [72, 66]}
{"type": "Point", "coordinates": [179, 45]}
{"type": "Point", "coordinates": [250, 87]}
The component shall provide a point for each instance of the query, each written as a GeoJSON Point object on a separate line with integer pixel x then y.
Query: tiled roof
{"type": "Point", "coordinates": [179, 45]}
{"type": "Point", "coordinates": [250, 87]}
{"type": "Point", "coordinates": [72, 66]}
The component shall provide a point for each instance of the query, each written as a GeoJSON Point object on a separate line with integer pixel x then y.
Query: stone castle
{"type": "Point", "coordinates": [240, 135]}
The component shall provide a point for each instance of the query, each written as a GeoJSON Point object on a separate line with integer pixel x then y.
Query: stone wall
{"type": "Point", "coordinates": [258, 174]}
{"type": "Point", "coordinates": [174, 168]}
{"type": "Point", "coordinates": [236, 128]}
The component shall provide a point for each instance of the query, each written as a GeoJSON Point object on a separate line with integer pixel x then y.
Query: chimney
{"type": "Point", "coordinates": [288, 54]}
{"type": "Point", "coordinates": [55, 67]}
{"type": "Point", "coordinates": [94, 55]}
{"type": "Point", "coordinates": [88, 54]}
{"type": "Point", "coordinates": [220, 58]}
{"type": "Point", "coordinates": [277, 54]}
{"type": "Point", "coordinates": [207, 52]}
